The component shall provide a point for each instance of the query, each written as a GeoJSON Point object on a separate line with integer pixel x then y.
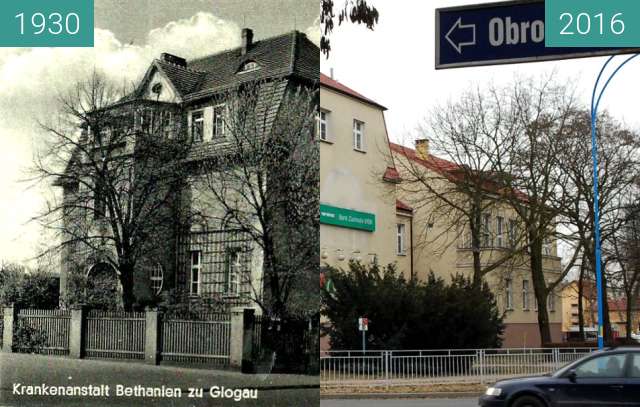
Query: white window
{"type": "Point", "coordinates": [499, 231]}
{"type": "Point", "coordinates": [232, 272]}
{"type": "Point", "coordinates": [156, 278]}
{"type": "Point", "coordinates": [546, 247]}
{"type": "Point", "coordinates": [358, 135]}
{"type": "Point", "coordinates": [513, 230]}
{"type": "Point", "coordinates": [551, 302]}
{"type": "Point", "coordinates": [322, 124]}
{"type": "Point", "coordinates": [400, 246]}
{"type": "Point", "coordinates": [535, 302]}
{"type": "Point", "coordinates": [525, 294]}
{"type": "Point", "coordinates": [249, 66]}
{"type": "Point", "coordinates": [508, 287]}
{"type": "Point", "coordinates": [486, 230]}
{"type": "Point", "coordinates": [147, 121]}
{"type": "Point", "coordinates": [196, 267]}
{"type": "Point", "coordinates": [197, 126]}
{"type": "Point", "coordinates": [218, 121]}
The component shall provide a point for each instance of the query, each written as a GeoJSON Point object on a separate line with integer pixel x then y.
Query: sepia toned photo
{"type": "Point", "coordinates": [159, 240]}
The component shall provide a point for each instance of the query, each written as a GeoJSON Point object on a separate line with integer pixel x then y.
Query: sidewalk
{"type": "Point", "coordinates": [34, 370]}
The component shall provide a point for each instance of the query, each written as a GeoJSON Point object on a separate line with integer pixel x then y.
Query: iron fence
{"type": "Point", "coordinates": [451, 366]}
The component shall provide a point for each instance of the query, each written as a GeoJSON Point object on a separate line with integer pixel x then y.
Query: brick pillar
{"type": "Point", "coordinates": [10, 318]}
{"type": "Point", "coordinates": [76, 339]}
{"type": "Point", "coordinates": [247, 346]}
{"type": "Point", "coordinates": [151, 337]}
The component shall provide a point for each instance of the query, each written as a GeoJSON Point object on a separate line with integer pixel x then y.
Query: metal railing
{"type": "Point", "coordinates": [449, 366]}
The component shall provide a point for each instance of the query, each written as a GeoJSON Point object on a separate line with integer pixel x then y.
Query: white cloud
{"type": "Point", "coordinates": [313, 32]}
{"type": "Point", "coordinates": [30, 79]}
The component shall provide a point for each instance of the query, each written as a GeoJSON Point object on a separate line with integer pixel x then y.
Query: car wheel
{"type": "Point", "coordinates": [528, 401]}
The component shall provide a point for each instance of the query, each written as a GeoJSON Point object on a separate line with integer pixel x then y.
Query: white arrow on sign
{"type": "Point", "coordinates": [458, 25]}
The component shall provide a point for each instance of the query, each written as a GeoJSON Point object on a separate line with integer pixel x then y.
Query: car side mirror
{"type": "Point", "coordinates": [572, 376]}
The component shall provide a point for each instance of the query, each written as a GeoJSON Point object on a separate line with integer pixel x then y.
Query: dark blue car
{"type": "Point", "coordinates": [604, 378]}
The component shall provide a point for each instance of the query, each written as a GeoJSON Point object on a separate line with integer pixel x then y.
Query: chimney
{"type": "Point", "coordinates": [247, 39]}
{"type": "Point", "coordinates": [173, 59]}
{"type": "Point", "coordinates": [422, 148]}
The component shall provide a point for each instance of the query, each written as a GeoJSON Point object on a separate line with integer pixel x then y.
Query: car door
{"type": "Point", "coordinates": [631, 392]}
{"type": "Point", "coordinates": [599, 381]}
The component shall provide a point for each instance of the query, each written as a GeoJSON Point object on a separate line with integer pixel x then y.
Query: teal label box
{"type": "Point", "coordinates": [46, 23]}
{"type": "Point", "coordinates": [592, 23]}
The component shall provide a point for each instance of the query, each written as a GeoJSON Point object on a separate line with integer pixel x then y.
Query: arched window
{"type": "Point", "coordinates": [157, 276]}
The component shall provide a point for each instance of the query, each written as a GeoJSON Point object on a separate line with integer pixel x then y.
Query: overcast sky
{"type": "Point", "coordinates": [394, 65]}
{"type": "Point", "coordinates": [128, 35]}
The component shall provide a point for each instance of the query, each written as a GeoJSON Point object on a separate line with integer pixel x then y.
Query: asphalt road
{"type": "Point", "coordinates": [33, 372]}
{"type": "Point", "coordinates": [466, 402]}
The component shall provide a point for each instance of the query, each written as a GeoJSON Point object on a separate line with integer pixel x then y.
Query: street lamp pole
{"type": "Point", "coordinates": [596, 204]}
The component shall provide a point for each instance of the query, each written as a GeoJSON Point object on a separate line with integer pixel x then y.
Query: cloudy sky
{"type": "Point", "coordinates": [394, 65]}
{"type": "Point", "coordinates": [128, 35]}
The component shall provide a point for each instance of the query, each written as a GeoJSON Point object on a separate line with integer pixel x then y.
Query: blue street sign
{"type": "Point", "coordinates": [500, 33]}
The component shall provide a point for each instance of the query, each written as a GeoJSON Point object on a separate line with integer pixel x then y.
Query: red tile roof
{"type": "Point", "coordinates": [337, 86]}
{"type": "Point", "coordinates": [403, 206]}
{"type": "Point", "coordinates": [448, 169]}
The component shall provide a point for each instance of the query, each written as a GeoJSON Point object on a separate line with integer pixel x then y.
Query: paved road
{"type": "Point", "coordinates": [467, 402]}
{"type": "Point", "coordinates": [34, 371]}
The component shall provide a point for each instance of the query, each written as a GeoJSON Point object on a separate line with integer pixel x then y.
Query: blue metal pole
{"type": "Point", "coordinates": [596, 203]}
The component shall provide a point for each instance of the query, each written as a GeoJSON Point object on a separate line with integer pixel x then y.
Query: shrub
{"type": "Point", "coordinates": [27, 339]}
{"type": "Point", "coordinates": [405, 314]}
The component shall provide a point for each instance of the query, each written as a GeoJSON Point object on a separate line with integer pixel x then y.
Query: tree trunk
{"type": "Point", "coordinates": [540, 288]}
{"type": "Point", "coordinates": [606, 321]}
{"type": "Point", "coordinates": [476, 244]}
{"type": "Point", "coordinates": [126, 280]}
{"type": "Point", "coordinates": [628, 324]}
{"type": "Point", "coordinates": [580, 300]}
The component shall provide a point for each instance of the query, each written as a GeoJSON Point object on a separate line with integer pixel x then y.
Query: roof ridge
{"type": "Point", "coordinates": [186, 68]}
{"type": "Point", "coordinates": [229, 50]}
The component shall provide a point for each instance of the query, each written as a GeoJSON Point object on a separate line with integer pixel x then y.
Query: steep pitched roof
{"type": "Point", "coordinates": [185, 80]}
{"type": "Point", "coordinates": [339, 87]}
{"type": "Point", "coordinates": [288, 54]}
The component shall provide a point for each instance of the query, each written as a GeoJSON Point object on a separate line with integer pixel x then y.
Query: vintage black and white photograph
{"type": "Point", "coordinates": [159, 230]}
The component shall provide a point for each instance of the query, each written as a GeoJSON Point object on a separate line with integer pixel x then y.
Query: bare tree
{"type": "Point", "coordinates": [266, 183]}
{"type": "Point", "coordinates": [617, 174]}
{"type": "Point", "coordinates": [543, 113]}
{"type": "Point", "coordinates": [119, 161]}
{"type": "Point", "coordinates": [462, 191]}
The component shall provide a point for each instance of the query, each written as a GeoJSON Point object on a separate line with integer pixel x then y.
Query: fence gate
{"type": "Point", "coordinates": [115, 334]}
{"type": "Point", "coordinates": [202, 338]}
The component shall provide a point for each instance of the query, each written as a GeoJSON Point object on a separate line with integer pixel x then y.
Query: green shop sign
{"type": "Point", "coordinates": [347, 218]}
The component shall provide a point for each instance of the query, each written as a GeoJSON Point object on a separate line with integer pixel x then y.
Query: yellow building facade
{"type": "Point", "coordinates": [365, 216]}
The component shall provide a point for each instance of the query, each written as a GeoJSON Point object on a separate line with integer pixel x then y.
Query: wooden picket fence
{"type": "Point", "coordinates": [195, 338]}
{"type": "Point", "coordinates": [115, 334]}
{"type": "Point", "coordinates": [51, 325]}
{"type": "Point", "coordinates": [202, 338]}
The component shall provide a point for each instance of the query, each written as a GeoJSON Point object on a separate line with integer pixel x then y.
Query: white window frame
{"type": "Point", "coordinates": [358, 135]}
{"type": "Point", "coordinates": [193, 125]}
{"type": "Point", "coordinates": [499, 231]}
{"type": "Point", "coordinates": [167, 124]}
{"type": "Point", "coordinates": [546, 247]}
{"type": "Point", "coordinates": [525, 294]}
{"type": "Point", "coordinates": [233, 271]}
{"type": "Point", "coordinates": [401, 248]}
{"type": "Point", "coordinates": [195, 268]}
{"type": "Point", "coordinates": [486, 230]}
{"type": "Point", "coordinates": [508, 288]}
{"type": "Point", "coordinates": [157, 275]}
{"type": "Point", "coordinates": [513, 230]}
{"type": "Point", "coordinates": [219, 113]}
{"type": "Point", "coordinates": [322, 125]}
{"type": "Point", "coordinates": [551, 303]}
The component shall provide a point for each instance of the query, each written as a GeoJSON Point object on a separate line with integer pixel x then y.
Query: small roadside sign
{"type": "Point", "coordinates": [363, 324]}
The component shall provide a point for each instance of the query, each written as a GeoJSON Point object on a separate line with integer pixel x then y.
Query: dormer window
{"type": "Point", "coordinates": [249, 66]}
